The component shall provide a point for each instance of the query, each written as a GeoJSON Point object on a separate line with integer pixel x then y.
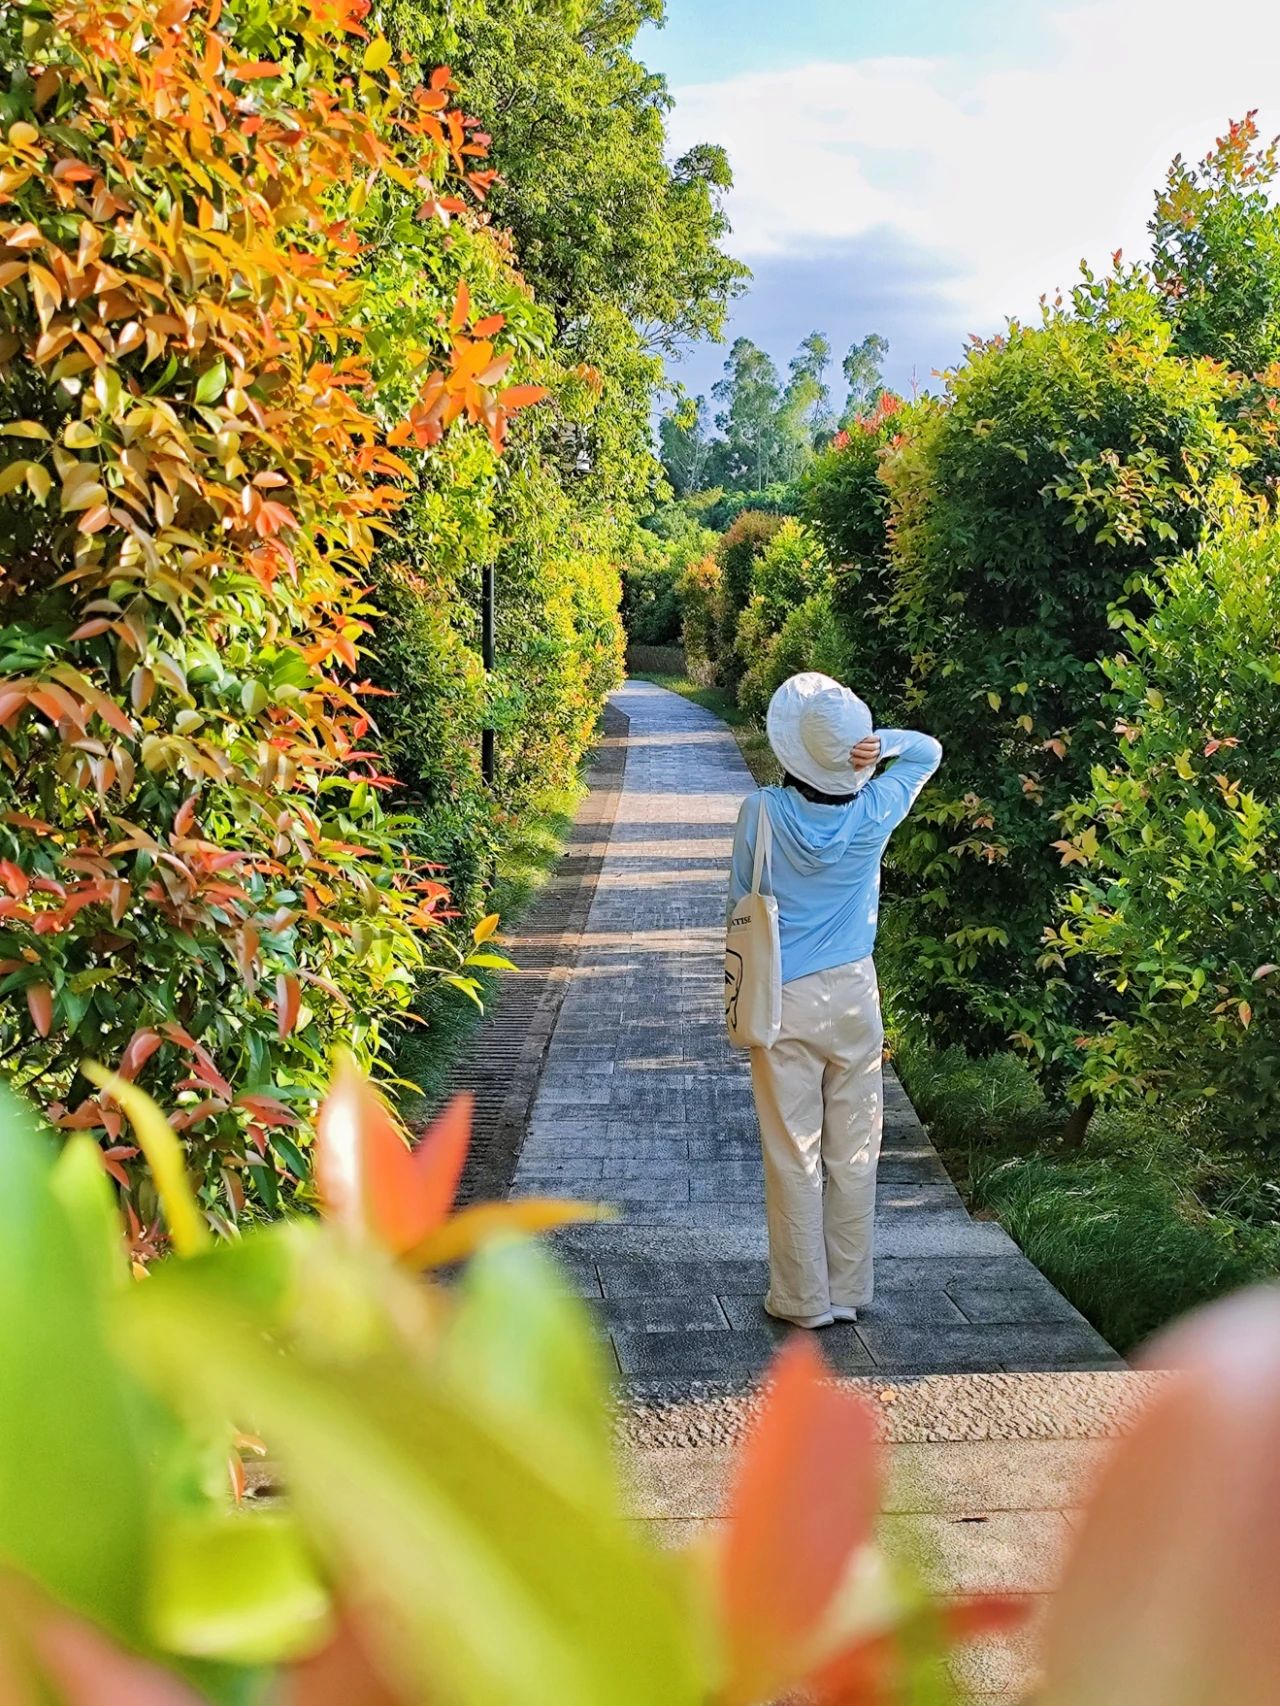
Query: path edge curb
{"type": "Point", "coordinates": [502, 1063]}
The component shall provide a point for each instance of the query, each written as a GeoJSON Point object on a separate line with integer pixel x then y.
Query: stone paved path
{"type": "Point", "coordinates": [642, 1104]}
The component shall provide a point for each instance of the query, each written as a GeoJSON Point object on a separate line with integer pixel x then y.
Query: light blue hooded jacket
{"type": "Point", "coordinates": [826, 859]}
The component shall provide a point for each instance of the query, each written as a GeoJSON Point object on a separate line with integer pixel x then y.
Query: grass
{"type": "Point", "coordinates": [1149, 1219]}
{"type": "Point", "coordinates": [1152, 1217]}
{"type": "Point", "coordinates": [655, 660]}
{"type": "Point", "coordinates": [750, 736]}
{"type": "Point", "coordinates": [427, 1054]}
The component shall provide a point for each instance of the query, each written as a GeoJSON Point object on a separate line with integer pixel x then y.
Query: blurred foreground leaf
{"type": "Point", "coordinates": [73, 1483]}
{"type": "Point", "coordinates": [237, 1586]}
{"type": "Point", "coordinates": [475, 1540]}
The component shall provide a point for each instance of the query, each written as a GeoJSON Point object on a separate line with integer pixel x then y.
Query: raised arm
{"type": "Point", "coordinates": [913, 759]}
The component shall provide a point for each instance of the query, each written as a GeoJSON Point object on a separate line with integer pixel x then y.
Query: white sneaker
{"type": "Point", "coordinates": [826, 1319]}
{"type": "Point", "coordinates": [839, 1313]}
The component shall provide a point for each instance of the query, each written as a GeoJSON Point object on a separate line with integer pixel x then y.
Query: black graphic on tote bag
{"type": "Point", "coordinates": [732, 984]}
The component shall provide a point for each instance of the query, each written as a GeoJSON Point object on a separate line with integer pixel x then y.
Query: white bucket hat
{"type": "Point", "coordinates": [813, 725]}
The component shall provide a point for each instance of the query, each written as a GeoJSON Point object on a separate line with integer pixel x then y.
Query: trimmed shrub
{"type": "Point", "coordinates": [1216, 252]}
{"type": "Point", "coordinates": [701, 591]}
{"type": "Point", "coordinates": [651, 603]}
{"type": "Point", "coordinates": [846, 502]}
{"type": "Point", "coordinates": [791, 569]}
{"type": "Point", "coordinates": [1175, 848]}
{"type": "Point", "coordinates": [203, 884]}
{"type": "Point", "coordinates": [811, 638]}
{"type": "Point", "coordinates": [1064, 461]}
{"type": "Point", "coordinates": [782, 497]}
{"type": "Point", "coordinates": [842, 494]}
{"type": "Point", "coordinates": [660, 553]}
{"type": "Point", "coordinates": [737, 553]}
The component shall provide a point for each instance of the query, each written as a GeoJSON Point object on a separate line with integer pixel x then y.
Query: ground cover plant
{"type": "Point", "coordinates": [1155, 1215]}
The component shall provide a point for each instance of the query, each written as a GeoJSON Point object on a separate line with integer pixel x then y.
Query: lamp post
{"type": "Point", "coordinates": [486, 657]}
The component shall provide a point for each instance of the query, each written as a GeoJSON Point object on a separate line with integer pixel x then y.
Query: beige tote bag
{"type": "Point", "coordinates": [753, 955]}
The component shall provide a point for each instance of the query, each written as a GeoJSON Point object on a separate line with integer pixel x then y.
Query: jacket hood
{"type": "Point", "coordinates": [812, 836]}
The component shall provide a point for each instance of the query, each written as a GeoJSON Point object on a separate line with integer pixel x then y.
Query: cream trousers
{"type": "Point", "coordinates": [819, 1098]}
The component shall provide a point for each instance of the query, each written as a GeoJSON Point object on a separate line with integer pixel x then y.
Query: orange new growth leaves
{"type": "Point", "coordinates": [800, 1510]}
{"type": "Point", "coordinates": [380, 1189]}
{"type": "Point", "coordinates": [470, 388]}
{"type": "Point", "coordinates": [288, 1001]}
{"type": "Point", "coordinates": [40, 1006]}
{"type": "Point", "coordinates": [200, 462]}
{"type": "Point", "coordinates": [370, 1180]}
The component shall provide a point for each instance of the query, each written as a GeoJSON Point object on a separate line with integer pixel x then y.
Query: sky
{"type": "Point", "coordinates": [928, 168]}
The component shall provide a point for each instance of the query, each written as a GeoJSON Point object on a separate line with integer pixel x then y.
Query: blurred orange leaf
{"type": "Point", "coordinates": [370, 1181]}
{"type": "Point", "coordinates": [801, 1507]}
{"type": "Point", "coordinates": [340, 1674]}
{"type": "Point", "coordinates": [463, 1235]}
{"type": "Point", "coordinates": [288, 1002]}
{"type": "Point", "coordinates": [40, 1006]}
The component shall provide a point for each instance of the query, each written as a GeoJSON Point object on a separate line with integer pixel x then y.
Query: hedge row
{"type": "Point", "coordinates": [1065, 567]}
{"type": "Point", "coordinates": [274, 388]}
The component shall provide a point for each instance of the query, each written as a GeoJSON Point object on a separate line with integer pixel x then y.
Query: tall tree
{"type": "Point", "coordinates": [864, 374]}
{"type": "Point", "coordinates": [1215, 241]}
{"type": "Point", "coordinates": [805, 417]}
{"type": "Point", "coordinates": [623, 244]}
{"type": "Point", "coordinates": [579, 138]}
{"type": "Point", "coordinates": [751, 393]}
{"type": "Point", "coordinates": [684, 433]}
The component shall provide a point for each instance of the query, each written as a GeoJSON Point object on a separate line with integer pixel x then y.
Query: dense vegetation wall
{"type": "Point", "coordinates": [277, 383]}
{"type": "Point", "coordinates": [1064, 566]}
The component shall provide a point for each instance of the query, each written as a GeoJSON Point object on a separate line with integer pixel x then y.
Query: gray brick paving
{"type": "Point", "coordinates": [643, 1105]}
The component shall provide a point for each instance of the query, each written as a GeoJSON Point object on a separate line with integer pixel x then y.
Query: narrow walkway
{"type": "Point", "coordinates": [642, 1104]}
{"type": "Point", "coordinates": [502, 1060]}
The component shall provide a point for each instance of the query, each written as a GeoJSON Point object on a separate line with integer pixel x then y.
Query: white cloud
{"type": "Point", "coordinates": [1010, 177]}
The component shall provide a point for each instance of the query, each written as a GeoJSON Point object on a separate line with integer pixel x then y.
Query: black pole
{"type": "Point", "coordinates": [486, 657]}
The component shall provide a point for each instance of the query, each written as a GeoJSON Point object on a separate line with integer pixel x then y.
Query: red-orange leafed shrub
{"type": "Point", "coordinates": [199, 878]}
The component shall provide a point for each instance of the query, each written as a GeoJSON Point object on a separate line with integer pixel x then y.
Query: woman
{"type": "Point", "coordinates": [818, 1090]}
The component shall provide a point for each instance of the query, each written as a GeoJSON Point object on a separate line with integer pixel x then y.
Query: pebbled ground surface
{"type": "Point", "coordinates": [947, 1409]}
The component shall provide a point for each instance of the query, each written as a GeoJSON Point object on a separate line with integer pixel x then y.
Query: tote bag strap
{"type": "Point", "coordinates": [764, 848]}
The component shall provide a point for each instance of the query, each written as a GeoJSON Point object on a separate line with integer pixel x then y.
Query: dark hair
{"type": "Point", "coordinates": [814, 795]}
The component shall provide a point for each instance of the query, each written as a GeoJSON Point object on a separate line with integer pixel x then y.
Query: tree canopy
{"type": "Point", "coordinates": [766, 429]}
